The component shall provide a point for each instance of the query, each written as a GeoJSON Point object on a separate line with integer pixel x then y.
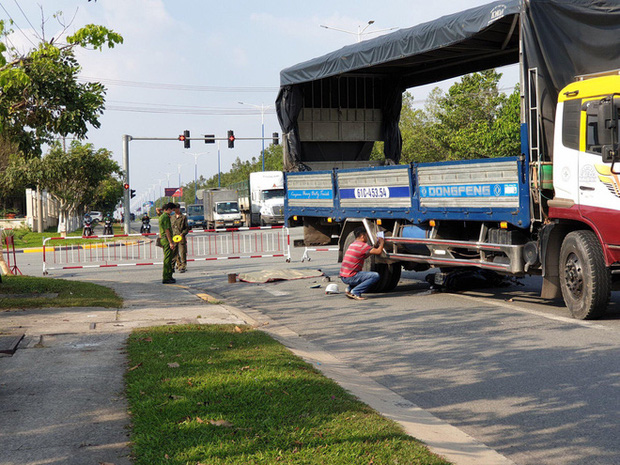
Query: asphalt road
{"type": "Point", "coordinates": [513, 371]}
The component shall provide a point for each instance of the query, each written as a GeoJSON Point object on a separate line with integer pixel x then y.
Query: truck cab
{"type": "Point", "coordinates": [267, 196]}
{"type": "Point", "coordinates": [586, 165]}
{"type": "Point", "coordinates": [272, 206]}
{"type": "Point", "coordinates": [226, 214]}
{"type": "Point", "coordinates": [196, 216]}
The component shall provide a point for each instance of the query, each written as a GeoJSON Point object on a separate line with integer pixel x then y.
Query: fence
{"type": "Point", "coordinates": [306, 256]}
{"type": "Point", "coordinates": [140, 250]}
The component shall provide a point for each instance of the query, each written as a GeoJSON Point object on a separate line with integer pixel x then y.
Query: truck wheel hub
{"type": "Point", "coordinates": [574, 275]}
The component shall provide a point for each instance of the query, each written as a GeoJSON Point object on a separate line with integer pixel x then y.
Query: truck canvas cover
{"type": "Point", "coordinates": [560, 38]}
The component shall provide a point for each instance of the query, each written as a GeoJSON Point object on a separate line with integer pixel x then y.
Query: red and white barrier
{"type": "Point", "coordinates": [124, 250]}
{"type": "Point", "coordinates": [305, 256]}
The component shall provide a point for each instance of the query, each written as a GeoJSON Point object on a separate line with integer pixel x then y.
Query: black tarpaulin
{"type": "Point", "coordinates": [561, 39]}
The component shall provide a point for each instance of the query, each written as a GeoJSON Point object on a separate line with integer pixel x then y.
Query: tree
{"type": "Point", "coordinates": [40, 96]}
{"type": "Point", "coordinates": [74, 178]}
{"type": "Point", "coordinates": [472, 120]}
{"type": "Point", "coordinates": [108, 194]}
{"type": "Point", "coordinates": [418, 130]}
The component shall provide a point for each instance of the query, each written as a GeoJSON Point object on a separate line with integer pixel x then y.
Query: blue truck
{"type": "Point", "coordinates": [552, 209]}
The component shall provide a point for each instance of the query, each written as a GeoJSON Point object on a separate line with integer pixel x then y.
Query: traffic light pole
{"type": "Point", "coordinates": [126, 209]}
{"type": "Point", "coordinates": [127, 138]}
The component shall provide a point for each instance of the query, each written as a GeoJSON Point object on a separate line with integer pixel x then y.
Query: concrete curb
{"type": "Point", "coordinates": [442, 438]}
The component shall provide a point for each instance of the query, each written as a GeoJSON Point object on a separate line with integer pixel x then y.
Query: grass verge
{"type": "Point", "coordinates": [226, 395]}
{"type": "Point", "coordinates": [24, 291]}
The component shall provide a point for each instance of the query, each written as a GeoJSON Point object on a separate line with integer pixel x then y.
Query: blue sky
{"type": "Point", "coordinates": [186, 64]}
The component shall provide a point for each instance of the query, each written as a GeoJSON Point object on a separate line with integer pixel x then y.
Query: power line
{"type": "Point", "coordinates": [177, 109]}
{"type": "Point", "coordinates": [24, 14]}
{"type": "Point", "coordinates": [184, 87]}
{"type": "Point", "coordinates": [17, 26]}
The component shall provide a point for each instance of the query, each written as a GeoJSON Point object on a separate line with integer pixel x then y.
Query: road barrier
{"type": "Point", "coordinates": [139, 249]}
{"type": "Point", "coordinates": [235, 243]}
{"type": "Point", "coordinates": [10, 250]}
{"type": "Point", "coordinates": [306, 256]}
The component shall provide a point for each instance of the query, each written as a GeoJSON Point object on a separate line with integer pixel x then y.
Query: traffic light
{"type": "Point", "coordinates": [133, 193]}
{"type": "Point", "coordinates": [125, 186]}
{"type": "Point", "coordinates": [209, 138]}
{"type": "Point", "coordinates": [276, 139]}
{"type": "Point", "coordinates": [185, 139]}
{"type": "Point", "coordinates": [231, 139]}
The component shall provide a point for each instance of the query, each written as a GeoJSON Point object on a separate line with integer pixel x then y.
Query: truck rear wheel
{"type": "Point", "coordinates": [584, 279]}
{"type": "Point", "coordinates": [394, 271]}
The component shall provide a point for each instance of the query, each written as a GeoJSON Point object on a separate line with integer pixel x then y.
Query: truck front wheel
{"type": "Point", "coordinates": [584, 279]}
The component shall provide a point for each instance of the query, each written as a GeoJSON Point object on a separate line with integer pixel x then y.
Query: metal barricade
{"type": "Point", "coordinates": [235, 243]}
{"type": "Point", "coordinates": [100, 251]}
{"type": "Point", "coordinates": [140, 250]}
{"type": "Point", "coordinates": [306, 256]}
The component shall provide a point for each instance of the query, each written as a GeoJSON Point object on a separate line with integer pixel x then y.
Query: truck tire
{"type": "Point", "coordinates": [584, 279]}
{"type": "Point", "coordinates": [394, 271]}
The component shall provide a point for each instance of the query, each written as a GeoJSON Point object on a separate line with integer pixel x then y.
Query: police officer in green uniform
{"type": "Point", "coordinates": [165, 234]}
{"type": "Point", "coordinates": [180, 227]}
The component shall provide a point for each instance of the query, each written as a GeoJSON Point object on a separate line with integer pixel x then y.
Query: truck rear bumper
{"type": "Point", "coordinates": [497, 257]}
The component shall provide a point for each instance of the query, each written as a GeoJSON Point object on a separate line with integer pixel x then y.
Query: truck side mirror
{"type": "Point", "coordinates": [607, 122]}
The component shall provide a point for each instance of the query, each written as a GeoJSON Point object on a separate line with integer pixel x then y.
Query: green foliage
{"type": "Point", "coordinates": [81, 176]}
{"type": "Point", "coordinates": [107, 194]}
{"type": "Point", "coordinates": [75, 176]}
{"type": "Point", "coordinates": [95, 36]}
{"type": "Point", "coordinates": [472, 120]}
{"type": "Point", "coordinates": [40, 97]}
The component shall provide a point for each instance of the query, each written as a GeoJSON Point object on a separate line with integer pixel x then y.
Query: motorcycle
{"type": "Point", "coordinates": [88, 226]}
{"type": "Point", "coordinates": [146, 225]}
{"type": "Point", "coordinates": [107, 227]}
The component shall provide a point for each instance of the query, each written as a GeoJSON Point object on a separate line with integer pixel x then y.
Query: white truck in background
{"type": "Point", "coordinates": [261, 198]}
{"type": "Point", "coordinates": [221, 209]}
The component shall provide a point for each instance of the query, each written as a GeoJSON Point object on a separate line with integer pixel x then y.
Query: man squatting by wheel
{"type": "Point", "coordinates": [351, 270]}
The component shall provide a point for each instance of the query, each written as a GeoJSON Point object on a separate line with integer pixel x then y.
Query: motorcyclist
{"type": "Point", "coordinates": [107, 226]}
{"type": "Point", "coordinates": [146, 224]}
{"type": "Point", "coordinates": [88, 225]}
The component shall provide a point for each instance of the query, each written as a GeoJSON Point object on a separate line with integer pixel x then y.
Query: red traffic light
{"type": "Point", "coordinates": [126, 186]}
{"type": "Point", "coordinates": [231, 139]}
{"type": "Point", "coordinates": [185, 139]}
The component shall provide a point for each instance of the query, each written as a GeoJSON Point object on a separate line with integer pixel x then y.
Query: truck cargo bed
{"type": "Point", "coordinates": [475, 190]}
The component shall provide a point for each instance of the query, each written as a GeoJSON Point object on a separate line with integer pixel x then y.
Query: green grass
{"type": "Point", "coordinates": [70, 293]}
{"type": "Point", "coordinates": [242, 398]}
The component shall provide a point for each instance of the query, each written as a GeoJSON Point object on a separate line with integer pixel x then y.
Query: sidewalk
{"type": "Point", "coordinates": [61, 393]}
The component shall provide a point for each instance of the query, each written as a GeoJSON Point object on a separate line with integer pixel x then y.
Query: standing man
{"type": "Point", "coordinates": [351, 271]}
{"type": "Point", "coordinates": [165, 235]}
{"type": "Point", "coordinates": [180, 227]}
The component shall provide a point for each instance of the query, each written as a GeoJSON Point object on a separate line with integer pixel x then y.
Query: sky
{"type": "Point", "coordinates": [186, 64]}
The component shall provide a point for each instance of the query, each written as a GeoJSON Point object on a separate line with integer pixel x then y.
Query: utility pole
{"type": "Point", "coordinates": [126, 198]}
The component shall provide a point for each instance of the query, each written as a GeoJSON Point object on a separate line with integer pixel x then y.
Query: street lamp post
{"type": "Point", "coordinates": [360, 32]}
{"type": "Point", "coordinates": [196, 155]}
{"type": "Point", "coordinates": [262, 109]}
{"type": "Point", "coordinates": [219, 165]}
